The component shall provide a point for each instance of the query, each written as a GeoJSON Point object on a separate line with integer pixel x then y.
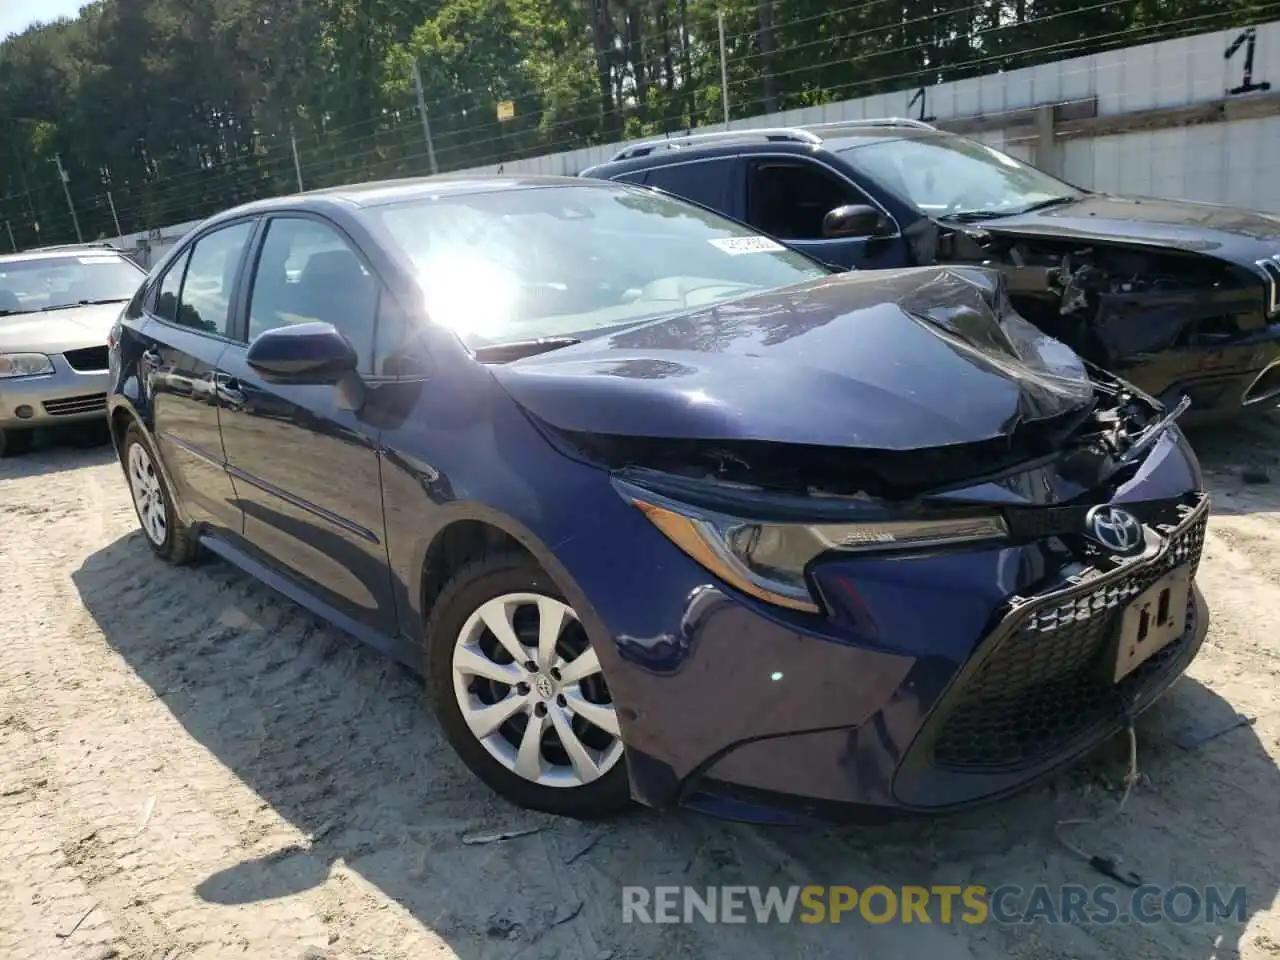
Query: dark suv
{"type": "Point", "coordinates": [1179, 298]}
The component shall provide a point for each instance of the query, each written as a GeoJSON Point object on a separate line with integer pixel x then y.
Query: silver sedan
{"type": "Point", "coordinates": [56, 311]}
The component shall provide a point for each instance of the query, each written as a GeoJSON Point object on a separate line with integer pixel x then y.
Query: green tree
{"type": "Point", "coordinates": [184, 107]}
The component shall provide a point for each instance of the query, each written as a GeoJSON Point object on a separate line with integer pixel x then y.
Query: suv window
{"type": "Point", "coordinates": [204, 301]}
{"type": "Point", "coordinates": [789, 198]}
{"type": "Point", "coordinates": [307, 272]}
{"type": "Point", "coordinates": [702, 181]}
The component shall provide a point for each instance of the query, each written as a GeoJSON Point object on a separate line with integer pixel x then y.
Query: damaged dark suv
{"type": "Point", "coordinates": [663, 509]}
{"type": "Point", "coordinates": [1181, 299]}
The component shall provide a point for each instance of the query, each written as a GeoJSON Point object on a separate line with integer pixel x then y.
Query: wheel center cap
{"type": "Point", "coordinates": [546, 689]}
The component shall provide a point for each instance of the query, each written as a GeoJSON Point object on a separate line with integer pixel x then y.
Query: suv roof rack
{"type": "Point", "coordinates": [805, 134]}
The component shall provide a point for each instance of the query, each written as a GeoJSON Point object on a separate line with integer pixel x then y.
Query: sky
{"type": "Point", "coordinates": [17, 15]}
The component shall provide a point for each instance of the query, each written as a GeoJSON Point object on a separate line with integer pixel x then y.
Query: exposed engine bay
{"type": "Point", "coordinates": [1115, 305]}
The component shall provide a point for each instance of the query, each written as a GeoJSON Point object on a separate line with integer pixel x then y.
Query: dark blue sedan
{"type": "Point", "coordinates": [663, 509]}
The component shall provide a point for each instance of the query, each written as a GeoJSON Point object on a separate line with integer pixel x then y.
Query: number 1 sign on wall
{"type": "Point", "coordinates": [1249, 40]}
{"type": "Point", "coordinates": [920, 96]}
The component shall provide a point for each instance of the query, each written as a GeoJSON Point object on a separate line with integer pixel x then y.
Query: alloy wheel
{"type": "Point", "coordinates": [148, 495]}
{"type": "Point", "coordinates": [531, 691]}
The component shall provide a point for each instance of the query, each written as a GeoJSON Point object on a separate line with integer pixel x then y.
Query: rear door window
{"type": "Point", "coordinates": [703, 181]}
{"type": "Point", "coordinates": [635, 176]}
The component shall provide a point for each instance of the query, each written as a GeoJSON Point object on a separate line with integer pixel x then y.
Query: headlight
{"type": "Point", "coordinates": [768, 560]}
{"type": "Point", "coordinates": [24, 364]}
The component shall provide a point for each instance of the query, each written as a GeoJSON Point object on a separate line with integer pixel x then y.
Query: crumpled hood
{"type": "Point", "coordinates": [58, 330]}
{"type": "Point", "coordinates": [893, 360]}
{"type": "Point", "coordinates": [1230, 233]}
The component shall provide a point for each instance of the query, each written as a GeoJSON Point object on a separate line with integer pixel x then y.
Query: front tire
{"type": "Point", "coordinates": [151, 500]}
{"type": "Point", "coordinates": [518, 690]}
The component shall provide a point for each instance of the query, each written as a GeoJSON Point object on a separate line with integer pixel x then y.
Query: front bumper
{"type": "Point", "coordinates": [1223, 381]}
{"type": "Point", "coordinates": [65, 396]}
{"type": "Point", "coordinates": [1030, 700]}
{"type": "Point", "coordinates": [934, 680]}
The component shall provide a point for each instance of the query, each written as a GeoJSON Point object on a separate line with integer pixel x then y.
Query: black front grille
{"type": "Point", "coordinates": [1045, 683]}
{"type": "Point", "coordinates": [88, 360]}
{"type": "Point", "coordinates": [89, 403]}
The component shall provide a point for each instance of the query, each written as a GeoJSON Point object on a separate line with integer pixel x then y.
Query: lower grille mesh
{"type": "Point", "coordinates": [1046, 684]}
{"type": "Point", "coordinates": [89, 403]}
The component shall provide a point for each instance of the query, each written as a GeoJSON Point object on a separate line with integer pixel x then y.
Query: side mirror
{"type": "Point", "coordinates": [852, 220]}
{"type": "Point", "coordinates": [303, 353]}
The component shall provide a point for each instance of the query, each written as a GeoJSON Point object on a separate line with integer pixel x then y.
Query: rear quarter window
{"type": "Point", "coordinates": [703, 181]}
{"type": "Point", "coordinates": [633, 176]}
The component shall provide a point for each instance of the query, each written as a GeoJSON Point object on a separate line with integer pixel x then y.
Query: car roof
{"type": "Point", "coordinates": [802, 138]}
{"type": "Point", "coordinates": [381, 192]}
{"type": "Point", "coordinates": [62, 253]}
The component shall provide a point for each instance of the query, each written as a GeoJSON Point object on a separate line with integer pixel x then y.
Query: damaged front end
{"type": "Point", "coordinates": [898, 411]}
{"type": "Point", "coordinates": [1174, 322]}
{"type": "Point", "coordinates": [835, 502]}
{"type": "Point", "coordinates": [759, 514]}
{"type": "Point", "coordinates": [1089, 426]}
{"type": "Point", "coordinates": [1004, 612]}
{"type": "Point", "coordinates": [1090, 448]}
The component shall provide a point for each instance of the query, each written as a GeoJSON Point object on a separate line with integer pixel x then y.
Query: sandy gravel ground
{"type": "Point", "coordinates": [192, 767]}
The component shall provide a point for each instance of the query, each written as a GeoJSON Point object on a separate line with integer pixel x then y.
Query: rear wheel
{"type": "Point", "coordinates": [151, 499]}
{"type": "Point", "coordinates": [14, 443]}
{"type": "Point", "coordinates": [519, 691]}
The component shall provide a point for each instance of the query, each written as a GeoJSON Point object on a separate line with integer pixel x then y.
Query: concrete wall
{"type": "Point", "coordinates": [1230, 162]}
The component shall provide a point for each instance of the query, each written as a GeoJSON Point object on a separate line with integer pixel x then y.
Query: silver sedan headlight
{"type": "Point", "coordinates": [24, 365]}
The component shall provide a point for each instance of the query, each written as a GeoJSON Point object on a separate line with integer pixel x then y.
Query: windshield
{"type": "Point", "coordinates": [50, 283]}
{"type": "Point", "coordinates": [950, 176]}
{"type": "Point", "coordinates": [574, 261]}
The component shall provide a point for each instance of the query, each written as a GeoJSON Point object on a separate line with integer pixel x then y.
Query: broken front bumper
{"type": "Point", "coordinates": [1035, 695]}
{"type": "Point", "coordinates": [1222, 380]}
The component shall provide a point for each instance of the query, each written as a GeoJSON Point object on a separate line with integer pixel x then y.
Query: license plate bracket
{"type": "Point", "coordinates": [1151, 621]}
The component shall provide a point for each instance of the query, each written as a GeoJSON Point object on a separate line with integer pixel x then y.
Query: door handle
{"type": "Point", "coordinates": [151, 357]}
{"type": "Point", "coordinates": [227, 391]}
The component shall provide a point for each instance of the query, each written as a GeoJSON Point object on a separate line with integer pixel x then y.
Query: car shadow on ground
{"type": "Point", "coordinates": [1202, 814]}
{"type": "Point", "coordinates": [1241, 463]}
{"type": "Point", "coordinates": [55, 452]}
{"type": "Point", "coordinates": [337, 741]}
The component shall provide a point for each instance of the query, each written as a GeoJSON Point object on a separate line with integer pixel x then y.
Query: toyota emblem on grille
{"type": "Point", "coordinates": [1116, 529]}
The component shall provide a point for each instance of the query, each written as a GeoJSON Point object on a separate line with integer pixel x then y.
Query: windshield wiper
{"type": "Point", "coordinates": [964, 216]}
{"type": "Point", "coordinates": [83, 303]}
{"type": "Point", "coordinates": [1051, 202]}
{"type": "Point", "coordinates": [518, 349]}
